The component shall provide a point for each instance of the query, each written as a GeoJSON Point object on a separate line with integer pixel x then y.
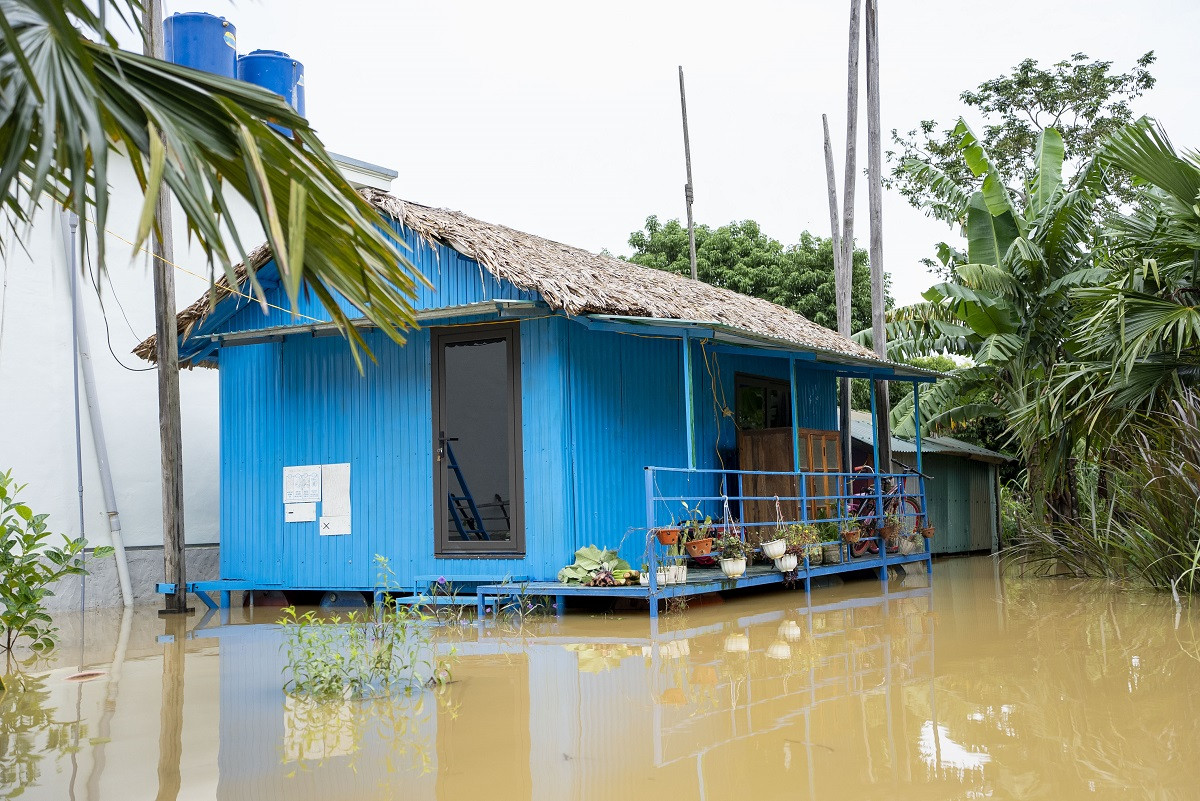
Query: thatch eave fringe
{"type": "Point", "coordinates": [568, 279]}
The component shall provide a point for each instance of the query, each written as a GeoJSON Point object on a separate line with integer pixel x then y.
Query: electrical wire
{"type": "Point", "coordinates": [104, 316]}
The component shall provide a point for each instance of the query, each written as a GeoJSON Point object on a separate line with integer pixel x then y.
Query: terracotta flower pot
{"type": "Point", "coordinates": [667, 536]}
{"type": "Point", "coordinates": [699, 547]}
{"type": "Point", "coordinates": [852, 534]}
{"type": "Point", "coordinates": [927, 532]}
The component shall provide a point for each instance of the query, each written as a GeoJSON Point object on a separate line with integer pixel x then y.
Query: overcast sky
{"type": "Point", "coordinates": [562, 119]}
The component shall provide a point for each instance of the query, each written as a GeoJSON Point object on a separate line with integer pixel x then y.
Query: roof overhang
{"type": "Point", "coordinates": [861, 366]}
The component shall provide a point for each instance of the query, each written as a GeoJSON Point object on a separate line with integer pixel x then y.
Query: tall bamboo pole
{"type": "Point", "coordinates": [844, 285]}
{"type": "Point", "coordinates": [851, 174]}
{"type": "Point", "coordinates": [875, 197]}
{"type": "Point", "coordinates": [169, 425]}
{"type": "Point", "coordinates": [841, 279]}
{"type": "Point", "coordinates": [687, 189]}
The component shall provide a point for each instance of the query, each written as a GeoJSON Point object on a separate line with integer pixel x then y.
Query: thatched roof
{"type": "Point", "coordinates": [574, 281]}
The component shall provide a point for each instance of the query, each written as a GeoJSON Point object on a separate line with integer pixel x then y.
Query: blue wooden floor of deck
{"type": "Point", "coordinates": [700, 581]}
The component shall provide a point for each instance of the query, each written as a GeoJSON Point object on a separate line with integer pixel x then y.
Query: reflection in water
{"type": "Point", "coordinates": [981, 686]}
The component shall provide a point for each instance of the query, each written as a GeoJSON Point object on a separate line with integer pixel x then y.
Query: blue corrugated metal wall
{"type": "Point", "coordinates": [597, 408]}
{"type": "Point", "coordinates": [304, 402]}
{"type": "Point", "coordinates": [626, 412]}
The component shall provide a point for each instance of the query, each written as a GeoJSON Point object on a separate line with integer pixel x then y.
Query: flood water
{"type": "Point", "coordinates": [974, 685]}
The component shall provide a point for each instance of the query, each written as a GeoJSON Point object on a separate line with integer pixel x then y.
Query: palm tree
{"type": "Point", "coordinates": [71, 100]}
{"type": "Point", "coordinates": [1006, 307]}
{"type": "Point", "coordinates": [1137, 332]}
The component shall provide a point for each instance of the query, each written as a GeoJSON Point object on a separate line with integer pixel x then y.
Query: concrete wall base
{"type": "Point", "coordinates": [101, 590]}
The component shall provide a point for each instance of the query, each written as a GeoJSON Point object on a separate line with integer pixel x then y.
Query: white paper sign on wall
{"type": "Point", "coordinates": [335, 526]}
{"type": "Point", "coordinates": [302, 484]}
{"type": "Point", "coordinates": [335, 490]}
{"type": "Point", "coordinates": [299, 512]}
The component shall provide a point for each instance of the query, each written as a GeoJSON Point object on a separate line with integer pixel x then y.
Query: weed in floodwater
{"type": "Point", "coordinates": [382, 652]}
{"type": "Point", "coordinates": [29, 565]}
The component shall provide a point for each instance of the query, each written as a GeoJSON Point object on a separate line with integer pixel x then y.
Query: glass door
{"type": "Point", "coordinates": [478, 504]}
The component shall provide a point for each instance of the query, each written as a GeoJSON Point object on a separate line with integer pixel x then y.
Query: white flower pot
{"type": "Point", "coordinates": [790, 630]}
{"type": "Point", "coordinates": [644, 579]}
{"type": "Point", "coordinates": [733, 568]}
{"type": "Point", "coordinates": [661, 577]}
{"type": "Point", "coordinates": [786, 563]}
{"type": "Point", "coordinates": [774, 549]}
{"type": "Point", "coordinates": [737, 643]}
{"type": "Point", "coordinates": [779, 650]}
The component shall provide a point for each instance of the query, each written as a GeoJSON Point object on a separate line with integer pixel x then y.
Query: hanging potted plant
{"type": "Point", "coordinates": [777, 547]}
{"type": "Point", "coordinates": [668, 535]}
{"type": "Point", "coordinates": [697, 532]}
{"type": "Point", "coordinates": [927, 530]}
{"type": "Point", "coordinates": [733, 550]}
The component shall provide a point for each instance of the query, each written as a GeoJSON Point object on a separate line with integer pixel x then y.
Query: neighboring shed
{"type": "Point", "coordinates": [962, 491]}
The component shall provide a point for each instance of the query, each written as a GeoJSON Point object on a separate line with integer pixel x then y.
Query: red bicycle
{"type": "Point", "coordinates": [904, 510]}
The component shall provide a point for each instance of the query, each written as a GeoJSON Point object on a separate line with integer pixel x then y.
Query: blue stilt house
{"type": "Point", "coordinates": [518, 423]}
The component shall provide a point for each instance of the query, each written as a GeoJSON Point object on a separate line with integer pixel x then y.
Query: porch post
{"type": "Point", "coordinates": [689, 401]}
{"type": "Point", "coordinates": [795, 417]}
{"type": "Point", "coordinates": [880, 514]}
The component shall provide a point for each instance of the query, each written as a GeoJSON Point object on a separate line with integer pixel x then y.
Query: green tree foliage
{"type": "Point", "coordinates": [1136, 334]}
{"type": "Point", "coordinates": [71, 101]}
{"type": "Point", "coordinates": [30, 564]}
{"type": "Point", "coordinates": [1084, 100]}
{"type": "Point", "coordinates": [739, 256]}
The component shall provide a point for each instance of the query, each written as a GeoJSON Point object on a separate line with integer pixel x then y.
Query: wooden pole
{"type": "Point", "coordinates": [875, 199]}
{"type": "Point", "coordinates": [687, 188]}
{"type": "Point", "coordinates": [843, 291]}
{"type": "Point", "coordinates": [851, 174]}
{"type": "Point", "coordinates": [841, 281]}
{"type": "Point", "coordinates": [169, 425]}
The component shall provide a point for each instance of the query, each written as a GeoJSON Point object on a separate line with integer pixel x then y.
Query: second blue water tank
{"type": "Point", "coordinates": [276, 71]}
{"type": "Point", "coordinates": [201, 41]}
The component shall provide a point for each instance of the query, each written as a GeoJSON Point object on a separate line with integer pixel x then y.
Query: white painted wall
{"type": "Point", "coordinates": [37, 429]}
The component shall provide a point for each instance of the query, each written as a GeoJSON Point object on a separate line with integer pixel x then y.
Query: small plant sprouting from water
{"type": "Point", "coordinates": [381, 652]}
{"type": "Point", "coordinates": [29, 564]}
{"type": "Point", "coordinates": [523, 605]}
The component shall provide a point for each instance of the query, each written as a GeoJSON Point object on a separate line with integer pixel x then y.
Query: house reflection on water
{"type": "Point", "coordinates": [982, 686]}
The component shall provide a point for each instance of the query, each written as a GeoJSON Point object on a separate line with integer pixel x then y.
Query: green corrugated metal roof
{"type": "Point", "coordinates": [860, 429]}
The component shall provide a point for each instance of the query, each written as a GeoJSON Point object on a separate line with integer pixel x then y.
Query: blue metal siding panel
{"type": "Point", "coordinates": [251, 414]}
{"type": "Point", "coordinates": [304, 402]}
{"type": "Point", "coordinates": [716, 398]}
{"type": "Point", "coordinates": [457, 281]}
{"type": "Point", "coordinates": [626, 413]}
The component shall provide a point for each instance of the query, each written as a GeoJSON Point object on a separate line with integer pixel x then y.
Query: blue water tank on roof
{"type": "Point", "coordinates": [201, 41]}
{"type": "Point", "coordinates": [275, 71]}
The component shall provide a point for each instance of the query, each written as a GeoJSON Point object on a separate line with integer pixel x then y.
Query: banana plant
{"type": "Point", "coordinates": [1006, 308]}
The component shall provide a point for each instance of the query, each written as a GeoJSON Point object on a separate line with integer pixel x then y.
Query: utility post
{"type": "Point", "coordinates": [687, 189]}
{"type": "Point", "coordinates": [169, 425]}
{"type": "Point", "coordinates": [875, 196]}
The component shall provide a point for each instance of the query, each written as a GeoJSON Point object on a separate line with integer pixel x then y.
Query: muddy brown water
{"type": "Point", "coordinates": [974, 685]}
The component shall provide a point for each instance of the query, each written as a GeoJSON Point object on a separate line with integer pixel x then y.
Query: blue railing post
{"type": "Point", "coordinates": [881, 517]}
{"type": "Point", "coordinates": [917, 440]}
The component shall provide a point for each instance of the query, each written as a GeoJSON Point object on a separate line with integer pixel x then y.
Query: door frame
{"type": "Point", "coordinates": [443, 546]}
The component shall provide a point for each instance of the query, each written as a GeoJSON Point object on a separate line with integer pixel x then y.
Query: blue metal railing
{"type": "Point", "coordinates": [859, 499]}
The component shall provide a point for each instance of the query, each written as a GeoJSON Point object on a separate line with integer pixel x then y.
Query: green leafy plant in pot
{"type": "Point", "coordinates": [733, 551]}
{"type": "Point", "coordinates": [696, 532]}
